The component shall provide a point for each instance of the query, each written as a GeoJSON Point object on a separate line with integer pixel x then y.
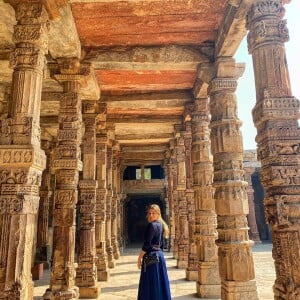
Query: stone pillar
{"type": "Point", "coordinates": [250, 165]}
{"type": "Point", "coordinates": [115, 201]}
{"type": "Point", "coordinates": [192, 264]}
{"type": "Point", "coordinates": [208, 283]}
{"type": "Point", "coordinates": [101, 148]}
{"type": "Point", "coordinates": [21, 158]}
{"type": "Point", "coordinates": [181, 225]}
{"type": "Point", "coordinates": [275, 116]}
{"type": "Point", "coordinates": [109, 195]}
{"type": "Point", "coordinates": [235, 253]}
{"type": "Point", "coordinates": [170, 187]}
{"type": "Point", "coordinates": [46, 193]}
{"type": "Point", "coordinates": [70, 73]}
{"type": "Point", "coordinates": [86, 273]}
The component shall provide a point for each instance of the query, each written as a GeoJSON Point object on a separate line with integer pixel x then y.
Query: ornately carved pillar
{"type": "Point", "coordinates": [181, 225]}
{"type": "Point", "coordinates": [192, 267]}
{"type": "Point", "coordinates": [170, 171]}
{"type": "Point", "coordinates": [276, 115]}
{"type": "Point", "coordinates": [208, 283]}
{"type": "Point", "coordinates": [67, 164]}
{"type": "Point", "coordinates": [109, 195]}
{"type": "Point", "coordinates": [102, 263]}
{"type": "Point", "coordinates": [115, 201]}
{"type": "Point", "coordinates": [235, 253]}
{"type": "Point", "coordinates": [21, 158]}
{"type": "Point", "coordinates": [46, 193]}
{"type": "Point", "coordinates": [86, 273]}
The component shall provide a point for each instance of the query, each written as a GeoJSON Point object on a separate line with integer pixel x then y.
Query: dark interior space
{"type": "Point", "coordinates": [136, 209]}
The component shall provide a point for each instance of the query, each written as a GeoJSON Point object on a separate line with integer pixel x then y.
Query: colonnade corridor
{"type": "Point", "coordinates": [124, 278]}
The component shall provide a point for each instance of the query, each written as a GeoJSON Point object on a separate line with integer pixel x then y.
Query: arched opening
{"type": "Point", "coordinates": [135, 214]}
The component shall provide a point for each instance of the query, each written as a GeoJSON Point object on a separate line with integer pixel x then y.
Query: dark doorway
{"type": "Point", "coordinates": [136, 209]}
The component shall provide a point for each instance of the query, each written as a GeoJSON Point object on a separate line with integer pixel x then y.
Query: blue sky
{"type": "Point", "coordinates": [246, 87]}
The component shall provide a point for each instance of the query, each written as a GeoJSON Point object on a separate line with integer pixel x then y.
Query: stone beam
{"type": "Point", "coordinates": [233, 28]}
{"type": "Point", "coordinates": [63, 36]}
{"type": "Point", "coordinates": [148, 58]}
{"type": "Point", "coordinates": [152, 149]}
{"type": "Point", "coordinates": [145, 120]}
{"type": "Point", "coordinates": [143, 156]}
{"type": "Point", "coordinates": [7, 22]}
{"type": "Point", "coordinates": [139, 137]}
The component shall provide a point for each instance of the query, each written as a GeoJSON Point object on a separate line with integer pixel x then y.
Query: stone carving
{"type": "Point", "coordinates": [235, 257]}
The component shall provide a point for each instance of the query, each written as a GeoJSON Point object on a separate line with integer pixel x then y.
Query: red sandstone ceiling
{"type": "Point", "coordinates": [135, 23]}
{"type": "Point", "coordinates": [152, 22]}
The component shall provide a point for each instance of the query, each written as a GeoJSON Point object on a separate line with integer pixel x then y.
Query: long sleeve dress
{"type": "Point", "coordinates": [154, 281]}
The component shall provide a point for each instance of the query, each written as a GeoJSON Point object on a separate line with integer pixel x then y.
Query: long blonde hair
{"type": "Point", "coordinates": [156, 208]}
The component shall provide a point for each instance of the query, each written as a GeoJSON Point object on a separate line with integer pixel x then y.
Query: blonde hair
{"type": "Point", "coordinates": [156, 208]}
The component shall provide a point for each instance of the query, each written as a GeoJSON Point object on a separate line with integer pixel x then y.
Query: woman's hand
{"type": "Point", "coordinates": [140, 258]}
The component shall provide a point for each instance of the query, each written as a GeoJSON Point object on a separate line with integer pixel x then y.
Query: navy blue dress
{"type": "Point", "coordinates": [154, 281]}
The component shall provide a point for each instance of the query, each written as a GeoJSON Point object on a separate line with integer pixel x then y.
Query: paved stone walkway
{"type": "Point", "coordinates": [123, 282]}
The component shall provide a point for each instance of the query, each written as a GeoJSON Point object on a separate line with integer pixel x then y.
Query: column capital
{"type": "Point", "coordinates": [265, 24]}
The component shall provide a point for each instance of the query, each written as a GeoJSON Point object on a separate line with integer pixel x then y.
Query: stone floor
{"type": "Point", "coordinates": [123, 282]}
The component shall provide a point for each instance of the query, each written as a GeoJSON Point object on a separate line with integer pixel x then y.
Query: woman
{"type": "Point", "coordinates": [154, 281]}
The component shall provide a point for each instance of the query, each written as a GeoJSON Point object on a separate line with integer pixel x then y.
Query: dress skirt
{"type": "Point", "coordinates": [154, 281]}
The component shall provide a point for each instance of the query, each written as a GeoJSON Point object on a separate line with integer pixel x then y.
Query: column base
{"type": "Point", "coordinates": [103, 275]}
{"type": "Point", "coordinates": [182, 264]}
{"type": "Point", "coordinates": [234, 290]}
{"type": "Point", "coordinates": [191, 275]}
{"type": "Point", "coordinates": [91, 292]}
{"type": "Point", "coordinates": [72, 294]}
{"type": "Point", "coordinates": [207, 291]}
{"type": "Point", "coordinates": [111, 264]}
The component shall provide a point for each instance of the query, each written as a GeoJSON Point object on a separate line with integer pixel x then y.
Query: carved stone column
{"type": "Point", "coordinates": [115, 201]}
{"type": "Point", "coordinates": [276, 115]}
{"type": "Point", "coordinates": [101, 148]}
{"type": "Point", "coordinates": [181, 225]}
{"type": "Point", "coordinates": [170, 187]}
{"type": "Point", "coordinates": [67, 164]}
{"type": "Point", "coordinates": [235, 253]}
{"type": "Point", "coordinates": [250, 165]}
{"type": "Point", "coordinates": [46, 193]}
{"type": "Point", "coordinates": [208, 283]}
{"type": "Point", "coordinates": [86, 273]}
{"type": "Point", "coordinates": [21, 158]}
{"type": "Point", "coordinates": [192, 267]}
{"type": "Point", "coordinates": [109, 195]}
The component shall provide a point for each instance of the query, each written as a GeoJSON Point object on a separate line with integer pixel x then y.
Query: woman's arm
{"type": "Point", "coordinates": [140, 258]}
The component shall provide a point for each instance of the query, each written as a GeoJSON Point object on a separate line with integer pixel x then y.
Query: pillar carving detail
{"type": "Point", "coordinates": [235, 248]}
{"type": "Point", "coordinates": [102, 262]}
{"type": "Point", "coordinates": [86, 272]}
{"type": "Point", "coordinates": [275, 116]}
{"type": "Point", "coordinates": [22, 160]}
{"type": "Point", "coordinates": [109, 196]}
{"type": "Point", "coordinates": [181, 225]}
{"type": "Point", "coordinates": [71, 74]}
{"type": "Point", "coordinates": [192, 264]}
{"type": "Point", "coordinates": [115, 201]}
{"type": "Point", "coordinates": [208, 280]}
{"type": "Point", "coordinates": [46, 199]}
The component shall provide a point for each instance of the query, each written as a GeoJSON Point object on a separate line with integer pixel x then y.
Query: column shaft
{"type": "Point", "coordinates": [235, 254]}
{"type": "Point", "coordinates": [21, 158]}
{"type": "Point", "coordinates": [86, 273]}
{"type": "Point", "coordinates": [275, 116]}
{"type": "Point", "coordinates": [208, 283]}
{"type": "Point", "coordinates": [102, 262]}
{"type": "Point", "coordinates": [67, 165]}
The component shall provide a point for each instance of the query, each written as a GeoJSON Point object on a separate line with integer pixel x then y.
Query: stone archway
{"type": "Point", "coordinates": [135, 214]}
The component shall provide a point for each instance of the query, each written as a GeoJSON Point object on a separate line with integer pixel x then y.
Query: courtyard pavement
{"type": "Point", "coordinates": [124, 278]}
